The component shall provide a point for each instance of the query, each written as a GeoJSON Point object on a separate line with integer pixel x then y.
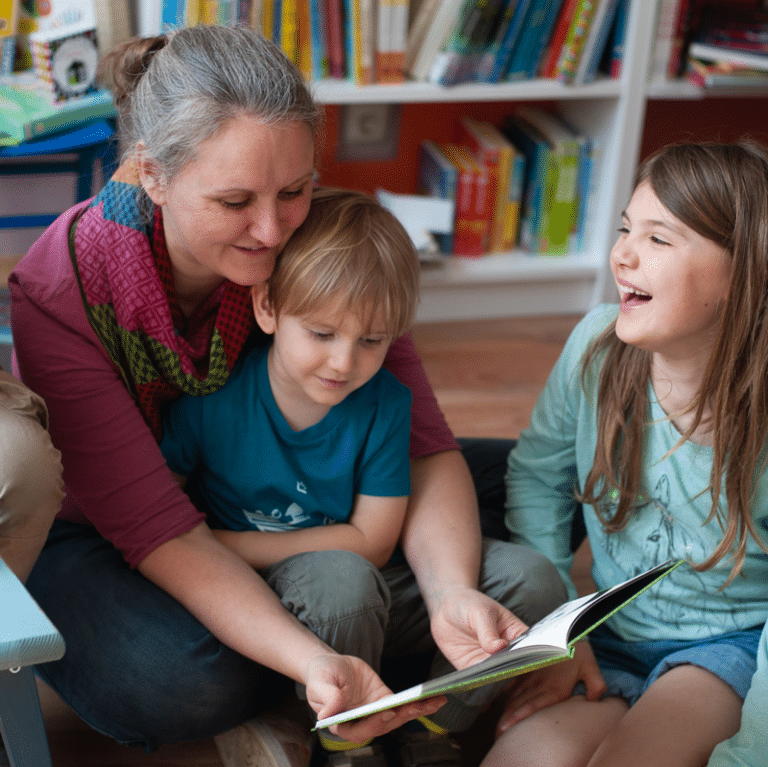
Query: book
{"type": "Point", "coordinates": [391, 34]}
{"type": "Point", "coordinates": [9, 23]}
{"type": "Point", "coordinates": [618, 38]}
{"type": "Point", "coordinates": [735, 35]}
{"type": "Point", "coordinates": [666, 27]}
{"type": "Point", "coordinates": [457, 61]}
{"type": "Point", "coordinates": [495, 61]}
{"type": "Point", "coordinates": [334, 35]}
{"type": "Point", "coordinates": [559, 192]}
{"type": "Point", "coordinates": [722, 75]}
{"type": "Point", "coordinates": [541, 18]}
{"type": "Point", "coordinates": [437, 176]}
{"type": "Point", "coordinates": [573, 47]}
{"type": "Point", "coordinates": [26, 112]}
{"type": "Point", "coordinates": [472, 220]}
{"type": "Point", "coordinates": [676, 63]}
{"type": "Point", "coordinates": [549, 641]}
{"type": "Point", "coordinates": [493, 150]}
{"type": "Point", "coordinates": [318, 40]}
{"type": "Point", "coordinates": [597, 40]}
{"type": "Point", "coordinates": [420, 16]}
{"type": "Point", "coordinates": [550, 206]}
{"type": "Point", "coordinates": [442, 23]}
{"type": "Point", "coordinates": [565, 20]}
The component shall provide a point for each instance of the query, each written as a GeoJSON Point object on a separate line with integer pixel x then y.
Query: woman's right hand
{"type": "Point", "coordinates": [337, 683]}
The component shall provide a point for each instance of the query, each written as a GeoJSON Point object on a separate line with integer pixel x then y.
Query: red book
{"type": "Point", "coordinates": [473, 203]}
{"type": "Point", "coordinates": [558, 38]}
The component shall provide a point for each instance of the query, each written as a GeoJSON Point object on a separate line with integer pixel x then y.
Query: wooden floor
{"type": "Point", "coordinates": [486, 376]}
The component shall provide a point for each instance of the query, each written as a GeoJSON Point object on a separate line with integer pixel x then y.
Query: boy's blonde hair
{"type": "Point", "coordinates": [350, 249]}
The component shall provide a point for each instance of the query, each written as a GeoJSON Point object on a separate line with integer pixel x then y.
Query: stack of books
{"type": "Point", "coordinates": [524, 185]}
{"type": "Point", "coordinates": [730, 48]}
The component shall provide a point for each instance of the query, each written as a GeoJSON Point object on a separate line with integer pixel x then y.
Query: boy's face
{"type": "Point", "coordinates": [318, 360]}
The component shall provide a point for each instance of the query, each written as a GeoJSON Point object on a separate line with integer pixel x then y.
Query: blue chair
{"type": "Point", "coordinates": [27, 637]}
{"type": "Point", "coordinates": [88, 142]}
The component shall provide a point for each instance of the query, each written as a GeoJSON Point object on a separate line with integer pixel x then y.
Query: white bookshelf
{"type": "Point", "coordinates": [518, 284]}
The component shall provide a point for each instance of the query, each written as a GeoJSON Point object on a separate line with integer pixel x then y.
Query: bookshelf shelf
{"type": "Point", "coordinates": [342, 92]}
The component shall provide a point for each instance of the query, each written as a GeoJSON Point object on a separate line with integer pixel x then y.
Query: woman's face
{"type": "Point", "coordinates": [228, 213]}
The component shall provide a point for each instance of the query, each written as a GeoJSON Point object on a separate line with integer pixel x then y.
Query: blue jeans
{"type": "Point", "coordinates": [140, 668]}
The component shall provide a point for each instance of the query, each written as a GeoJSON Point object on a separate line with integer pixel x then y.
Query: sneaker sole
{"type": "Point", "coordinates": [251, 745]}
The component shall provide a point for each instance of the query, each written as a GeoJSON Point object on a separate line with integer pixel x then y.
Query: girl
{"type": "Point", "coordinates": [655, 418]}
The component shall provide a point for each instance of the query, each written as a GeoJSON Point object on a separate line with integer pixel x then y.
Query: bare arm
{"type": "Point", "coordinates": [442, 542]}
{"type": "Point", "coordinates": [372, 531]}
{"type": "Point", "coordinates": [238, 607]}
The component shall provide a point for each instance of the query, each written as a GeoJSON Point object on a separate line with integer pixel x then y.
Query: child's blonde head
{"type": "Point", "coordinates": [352, 251]}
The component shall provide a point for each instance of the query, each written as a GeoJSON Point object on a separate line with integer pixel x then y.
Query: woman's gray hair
{"type": "Point", "coordinates": [176, 91]}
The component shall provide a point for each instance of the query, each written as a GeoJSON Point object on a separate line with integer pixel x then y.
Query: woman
{"type": "Point", "coordinates": [142, 294]}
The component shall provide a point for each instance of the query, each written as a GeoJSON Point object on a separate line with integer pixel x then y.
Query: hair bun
{"type": "Point", "coordinates": [125, 64]}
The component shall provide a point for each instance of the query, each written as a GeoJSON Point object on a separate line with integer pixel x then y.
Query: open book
{"type": "Point", "coordinates": [549, 641]}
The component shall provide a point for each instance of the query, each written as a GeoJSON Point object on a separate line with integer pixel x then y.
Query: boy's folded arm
{"type": "Point", "coordinates": [372, 532]}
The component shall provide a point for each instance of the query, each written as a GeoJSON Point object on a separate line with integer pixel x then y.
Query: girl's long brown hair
{"type": "Point", "coordinates": [721, 192]}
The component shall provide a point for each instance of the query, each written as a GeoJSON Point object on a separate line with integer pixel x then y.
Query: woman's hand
{"type": "Point", "coordinates": [468, 626]}
{"type": "Point", "coordinates": [338, 683]}
{"type": "Point", "coordinates": [538, 689]}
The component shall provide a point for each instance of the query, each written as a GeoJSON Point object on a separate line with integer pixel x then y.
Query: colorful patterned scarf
{"type": "Point", "coordinates": [128, 294]}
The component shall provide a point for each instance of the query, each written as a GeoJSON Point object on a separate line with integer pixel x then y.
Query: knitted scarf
{"type": "Point", "coordinates": [126, 284]}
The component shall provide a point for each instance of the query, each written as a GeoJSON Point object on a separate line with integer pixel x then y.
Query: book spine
{"type": "Point", "coordinates": [560, 36]}
{"type": "Point", "coordinates": [514, 201]}
{"type": "Point", "coordinates": [469, 226]}
{"type": "Point", "coordinates": [447, 63]}
{"type": "Point", "coordinates": [335, 36]}
{"type": "Point", "coordinates": [666, 24]}
{"type": "Point", "coordinates": [367, 42]}
{"type": "Point", "coordinates": [618, 39]}
{"type": "Point", "coordinates": [675, 67]}
{"type": "Point", "coordinates": [383, 61]}
{"type": "Point", "coordinates": [595, 46]}
{"type": "Point", "coordinates": [398, 37]}
{"type": "Point", "coordinates": [437, 177]}
{"type": "Point", "coordinates": [570, 54]}
{"type": "Point", "coordinates": [173, 15]}
{"type": "Point", "coordinates": [319, 44]}
{"type": "Point", "coordinates": [288, 37]}
{"type": "Point", "coordinates": [536, 153]}
{"type": "Point", "coordinates": [304, 38]}
{"type": "Point", "coordinates": [489, 156]}
{"type": "Point", "coordinates": [530, 41]}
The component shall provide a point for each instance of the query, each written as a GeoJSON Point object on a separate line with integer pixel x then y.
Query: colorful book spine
{"type": "Point", "coordinates": [437, 177]}
{"type": "Point", "coordinates": [318, 43]}
{"type": "Point", "coordinates": [618, 39]}
{"type": "Point", "coordinates": [570, 55]}
{"type": "Point", "coordinates": [558, 38]}
{"type": "Point", "coordinates": [675, 68]}
{"type": "Point", "coordinates": [9, 14]}
{"type": "Point", "coordinates": [559, 203]}
{"type": "Point", "coordinates": [334, 18]}
{"type": "Point", "coordinates": [398, 41]}
{"type": "Point", "coordinates": [304, 38]}
{"type": "Point", "coordinates": [599, 34]}
{"type": "Point", "coordinates": [495, 61]}
{"type": "Point", "coordinates": [541, 19]}
{"type": "Point", "coordinates": [473, 203]}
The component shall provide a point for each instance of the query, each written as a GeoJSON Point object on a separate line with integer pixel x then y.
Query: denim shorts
{"type": "Point", "coordinates": [630, 668]}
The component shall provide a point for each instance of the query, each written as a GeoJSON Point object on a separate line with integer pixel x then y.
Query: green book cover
{"type": "Point", "coordinates": [551, 640]}
{"type": "Point", "coordinates": [559, 195]}
{"type": "Point", "coordinates": [27, 114]}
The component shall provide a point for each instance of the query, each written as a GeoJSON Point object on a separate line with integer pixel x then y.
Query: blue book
{"type": "Point", "coordinates": [319, 42]}
{"type": "Point", "coordinates": [538, 28]}
{"type": "Point", "coordinates": [173, 15]}
{"type": "Point", "coordinates": [495, 61]}
{"type": "Point", "coordinates": [535, 149]}
{"type": "Point", "coordinates": [437, 177]}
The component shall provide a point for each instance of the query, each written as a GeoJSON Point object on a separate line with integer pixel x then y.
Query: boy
{"type": "Point", "coordinates": [310, 435]}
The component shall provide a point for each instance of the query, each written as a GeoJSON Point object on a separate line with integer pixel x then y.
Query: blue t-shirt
{"type": "Point", "coordinates": [257, 473]}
